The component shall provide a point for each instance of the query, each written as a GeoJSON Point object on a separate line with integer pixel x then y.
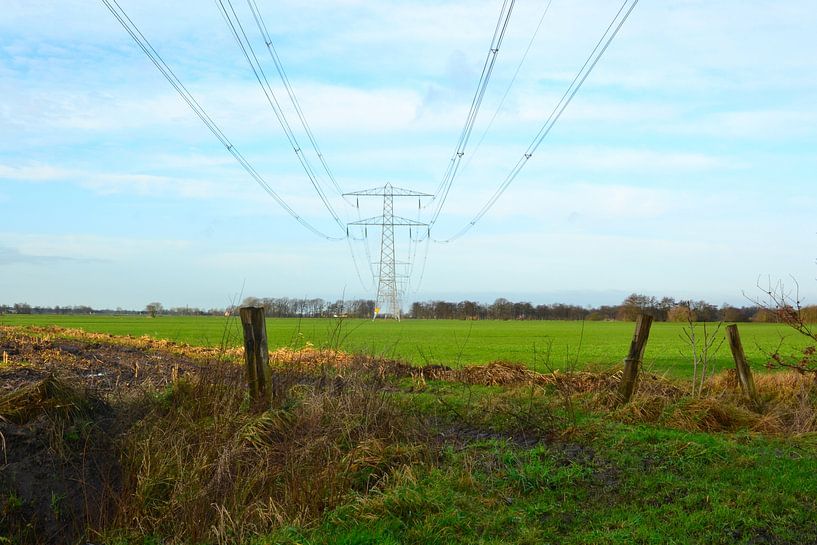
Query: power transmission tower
{"type": "Point", "coordinates": [388, 290]}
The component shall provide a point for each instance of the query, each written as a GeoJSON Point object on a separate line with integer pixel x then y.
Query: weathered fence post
{"type": "Point", "coordinates": [633, 361]}
{"type": "Point", "coordinates": [256, 356]}
{"type": "Point", "coordinates": [747, 382]}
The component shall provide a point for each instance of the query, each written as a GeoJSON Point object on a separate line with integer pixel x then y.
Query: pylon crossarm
{"type": "Point", "coordinates": [397, 221]}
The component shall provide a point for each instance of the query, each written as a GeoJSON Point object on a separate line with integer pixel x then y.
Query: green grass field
{"type": "Point", "coordinates": [447, 342]}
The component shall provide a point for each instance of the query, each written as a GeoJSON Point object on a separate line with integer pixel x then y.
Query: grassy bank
{"type": "Point", "coordinates": [356, 450]}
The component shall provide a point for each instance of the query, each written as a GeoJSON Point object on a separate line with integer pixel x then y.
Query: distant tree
{"type": "Point", "coordinates": [251, 302]}
{"type": "Point", "coordinates": [705, 312]}
{"type": "Point", "coordinates": [154, 308]}
{"type": "Point", "coordinates": [734, 314]}
{"type": "Point", "coordinates": [469, 310]}
{"type": "Point", "coordinates": [636, 304]}
{"type": "Point", "coordinates": [523, 310]}
{"type": "Point", "coordinates": [502, 309]}
{"type": "Point", "coordinates": [682, 312]}
{"type": "Point", "coordinates": [765, 316]}
{"type": "Point", "coordinates": [663, 307]}
{"type": "Point", "coordinates": [809, 314]}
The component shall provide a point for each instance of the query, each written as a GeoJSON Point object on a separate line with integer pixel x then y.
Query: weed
{"type": "Point", "coordinates": [55, 503]}
{"type": "Point", "coordinates": [12, 503]}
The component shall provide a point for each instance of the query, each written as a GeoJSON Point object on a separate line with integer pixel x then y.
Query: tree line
{"type": "Point", "coordinates": [661, 309]}
{"type": "Point", "coordinates": [289, 307]}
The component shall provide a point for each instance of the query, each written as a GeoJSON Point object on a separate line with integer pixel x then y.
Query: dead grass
{"type": "Point", "coordinates": [789, 402]}
{"type": "Point", "coordinates": [46, 396]}
{"type": "Point", "coordinates": [201, 456]}
{"type": "Point", "coordinates": [46, 335]}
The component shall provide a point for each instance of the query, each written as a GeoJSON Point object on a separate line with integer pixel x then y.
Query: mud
{"type": "Point", "coordinates": [59, 464]}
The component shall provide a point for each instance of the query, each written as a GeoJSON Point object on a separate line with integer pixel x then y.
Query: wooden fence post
{"type": "Point", "coordinates": [256, 356]}
{"type": "Point", "coordinates": [747, 382]}
{"type": "Point", "coordinates": [633, 360]}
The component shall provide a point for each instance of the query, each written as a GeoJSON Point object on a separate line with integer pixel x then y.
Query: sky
{"type": "Point", "coordinates": [685, 165]}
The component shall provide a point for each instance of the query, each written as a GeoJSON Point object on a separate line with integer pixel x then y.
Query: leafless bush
{"type": "Point", "coordinates": [787, 307]}
{"type": "Point", "coordinates": [704, 343]}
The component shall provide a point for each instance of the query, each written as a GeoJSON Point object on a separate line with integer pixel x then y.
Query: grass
{"type": "Point", "coordinates": [486, 482]}
{"type": "Point", "coordinates": [368, 452]}
{"type": "Point", "coordinates": [629, 485]}
{"type": "Point", "coordinates": [446, 342]}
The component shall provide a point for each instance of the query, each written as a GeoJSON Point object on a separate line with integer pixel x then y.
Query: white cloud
{"type": "Point", "coordinates": [634, 160]}
{"type": "Point", "coordinates": [90, 247]}
{"type": "Point", "coordinates": [764, 124]}
{"type": "Point", "coordinates": [110, 183]}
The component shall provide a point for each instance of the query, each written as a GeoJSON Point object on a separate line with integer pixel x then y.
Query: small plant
{"type": "Point", "coordinates": [13, 503]}
{"type": "Point", "coordinates": [704, 344]}
{"type": "Point", "coordinates": [55, 503]}
{"type": "Point", "coordinates": [563, 382]}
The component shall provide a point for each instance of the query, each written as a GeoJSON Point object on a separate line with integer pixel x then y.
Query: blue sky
{"type": "Point", "coordinates": [685, 165]}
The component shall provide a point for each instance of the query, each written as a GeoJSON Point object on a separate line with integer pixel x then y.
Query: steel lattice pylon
{"type": "Point", "coordinates": [388, 290]}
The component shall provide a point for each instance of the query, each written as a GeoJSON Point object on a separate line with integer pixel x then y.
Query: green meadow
{"type": "Point", "coordinates": [538, 344]}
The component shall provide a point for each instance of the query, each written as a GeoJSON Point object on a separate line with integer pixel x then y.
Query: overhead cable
{"type": "Point", "coordinates": [143, 43]}
{"type": "Point", "coordinates": [237, 30]}
{"type": "Point", "coordinates": [279, 67]}
{"type": "Point", "coordinates": [508, 88]}
{"type": "Point", "coordinates": [594, 57]}
{"type": "Point", "coordinates": [487, 69]}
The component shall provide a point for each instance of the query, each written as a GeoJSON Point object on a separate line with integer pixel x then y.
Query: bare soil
{"type": "Point", "coordinates": [61, 412]}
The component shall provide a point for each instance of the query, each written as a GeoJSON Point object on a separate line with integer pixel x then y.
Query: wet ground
{"type": "Point", "coordinates": [59, 420]}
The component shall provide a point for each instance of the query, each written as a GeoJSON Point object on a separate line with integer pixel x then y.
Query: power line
{"type": "Point", "coordinates": [508, 89]}
{"type": "Point", "coordinates": [236, 27]}
{"type": "Point", "coordinates": [476, 102]}
{"type": "Point", "coordinates": [244, 44]}
{"type": "Point", "coordinates": [354, 260]}
{"type": "Point", "coordinates": [555, 114]}
{"type": "Point", "coordinates": [265, 34]}
{"type": "Point", "coordinates": [425, 262]}
{"type": "Point", "coordinates": [133, 30]}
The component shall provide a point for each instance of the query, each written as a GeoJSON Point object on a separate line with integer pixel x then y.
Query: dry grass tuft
{"type": "Point", "coordinates": [45, 335]}
{"type": "Point", "coordinates": [200, 455]}
{"type": "Point", "coordinates": [789, 406]}
{"type": "Point", "coordinates": [643, 408]}
{"type": "Point", "coordinates": [709, 415]}
{"type": "Point", "coordinates": [46, 396]}
{"type": "Point", "coordinates": [310, 357]}
{"type": "Point", "coordinates": [498, 373]}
